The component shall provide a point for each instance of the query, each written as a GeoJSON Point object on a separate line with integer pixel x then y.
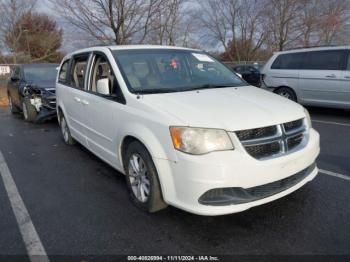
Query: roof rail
{"type": "Point", "coordinates": [306, 47]}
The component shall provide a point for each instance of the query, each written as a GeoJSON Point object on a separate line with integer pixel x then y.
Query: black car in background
{"type": "Point", "coordinates": [31, 91]}
{"type": "Point", "coordinates": [249, 73]}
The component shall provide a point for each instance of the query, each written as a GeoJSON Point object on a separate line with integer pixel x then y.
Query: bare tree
{"type": "Point", "coordinates": [333, 20]}
{"type": "Point", "coordinates": [239, 26]}
{"type": "Point", "coordinates": [171, 24]}
{"type": "Point", "coordinates": [308, 23]}
{"type": "Point", "coordinates": [110, 21]}
{"type": "Point", "coordinates": [252, 31]}
{"type": "Point", "coordinates": [11, 12]}
{"type": "Point", "coordinates": [219, 21]}
{"type": "Point", "coordinates": [282, 18]}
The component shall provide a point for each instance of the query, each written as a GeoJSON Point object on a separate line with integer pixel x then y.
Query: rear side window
{"type": "Point", "coordinates": [62, 77]}
{"type": "Point", "coordinates": [288, 61]}
{"type": "Point", "coordinates": [324, 60]}
{"type": "Point", "coordinates": [78, 71]}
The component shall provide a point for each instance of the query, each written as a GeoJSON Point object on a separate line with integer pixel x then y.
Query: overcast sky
{"type": "Point", "coordinates": [72, 39]}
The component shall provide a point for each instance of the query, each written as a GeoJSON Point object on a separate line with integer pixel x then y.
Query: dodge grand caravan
{"type": "Point", "coordinates": [313, 76]}
{"type": "Point", "coordinates": [184, 129]}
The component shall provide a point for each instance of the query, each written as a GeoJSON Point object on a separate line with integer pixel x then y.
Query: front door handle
{"type": "Point", "coordinates": [77, 99]}
{"type": "Point", "coordinates": [347, 77]}
{"type": "Point", "coordinates": [331, 76]}
{"type": "Point", "coordinates": [84, 102]}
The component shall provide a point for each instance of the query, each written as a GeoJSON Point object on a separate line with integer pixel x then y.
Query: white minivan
{"type": "Point", "coordinates": [311, 76]}
{"type": "Point", "coordinates": [184, 129]}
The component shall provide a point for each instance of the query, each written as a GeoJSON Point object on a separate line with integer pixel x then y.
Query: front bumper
{"type": "Point", "coordinates": [183, 182]}
{"type": "Point", "coordinates": [45, 114]}
{"type": "Point", "coordinates": [47, 108]}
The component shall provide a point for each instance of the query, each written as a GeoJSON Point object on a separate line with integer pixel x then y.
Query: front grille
{"type": "Point", "coordinates": [295, 141]}
{"type": "Point", "coordinates": [264, 150]}
{"type": "Point", "coordinates": [239, 195]}
{"type": "Point", "coordinates": [290, 126]}
{"type": "Point", "coordinates": [272, 141]}
{"type": "Point", "coordinates": [256, 133]}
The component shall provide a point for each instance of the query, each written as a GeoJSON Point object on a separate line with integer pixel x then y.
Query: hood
{"type": "Point", "coordinates": [235, 108]}
{"type": "Point", "coordinates": [43, 84]}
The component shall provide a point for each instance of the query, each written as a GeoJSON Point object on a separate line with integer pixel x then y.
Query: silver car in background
{"type": "Point", "coordinates": [313, 76]}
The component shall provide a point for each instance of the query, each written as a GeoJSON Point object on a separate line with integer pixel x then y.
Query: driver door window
{"type": "Point", "coordinates": [102, 80]}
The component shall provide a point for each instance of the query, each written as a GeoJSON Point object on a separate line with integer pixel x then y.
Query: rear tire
{"type": "Point", "coordinates": [14, 110]}
{"type": "Point", "coordinates": [142, 178]}
{"type": "Point", "coordinates": [29, 111]}
{"type": "Point", "coordinates": [67, 138]}
{"type": "Point", "coordinates": [287, 93]}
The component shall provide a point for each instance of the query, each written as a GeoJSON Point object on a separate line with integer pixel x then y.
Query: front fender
{"type": "Point", "coordinates": [161, 152]}
{"type": "Point", "coordinates": [150, 139]}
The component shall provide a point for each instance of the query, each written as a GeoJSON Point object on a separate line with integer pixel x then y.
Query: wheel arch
{"type": "Point", "coordinates": [163, 181]}
{"type": "Point", "coordinates": [161, 152]}
{"type": "Point", "coordinates": [59, 114]}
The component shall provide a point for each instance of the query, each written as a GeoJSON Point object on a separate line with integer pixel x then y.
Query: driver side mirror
{"type": "Point", "coordinates": [103, 86]}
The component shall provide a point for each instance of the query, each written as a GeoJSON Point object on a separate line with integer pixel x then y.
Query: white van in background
{"type": "Point", "coordinates": [313, 76]}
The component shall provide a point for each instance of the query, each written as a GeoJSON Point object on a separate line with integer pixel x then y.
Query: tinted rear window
{"type": "Point", "coordinates": [324, 60]}
{"type": "Point", "coordinates": [288, 61]}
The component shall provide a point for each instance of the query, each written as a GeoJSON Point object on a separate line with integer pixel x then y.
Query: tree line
{"type": "Point", "coordinates": [239, 30]}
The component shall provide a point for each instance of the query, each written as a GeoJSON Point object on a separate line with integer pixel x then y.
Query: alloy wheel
{"type": "Point", "coordinates": [286, 95]}
{"type": "Point", "coordinates": [138, 177]}
{"type": "Point", "coordinates": [64, 129]}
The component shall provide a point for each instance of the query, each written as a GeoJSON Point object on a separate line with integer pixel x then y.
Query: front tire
{"type": "Point", "coordinates": [67, 137]}
{"type": "Point", "coordinates": [287, 93]}
{"type": "Point", "coordinates": [29, 111]}
{"type": "Point", "coordinates": [142, 178]}
{"type": "Point", "coordinates": [14, 110]}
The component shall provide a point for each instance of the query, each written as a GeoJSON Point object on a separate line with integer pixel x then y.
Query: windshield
{"type": "Point", "coordinates": [40, 73]}
{"type": "Point", "coordinates": [167, 70]}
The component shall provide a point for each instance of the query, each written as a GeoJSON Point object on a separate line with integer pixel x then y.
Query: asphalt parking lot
{"type": "Point", "coordinates": [78, 205]}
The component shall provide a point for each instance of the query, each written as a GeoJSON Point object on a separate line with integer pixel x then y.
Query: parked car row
{"type": "Point", "coordinates": [184, 129]}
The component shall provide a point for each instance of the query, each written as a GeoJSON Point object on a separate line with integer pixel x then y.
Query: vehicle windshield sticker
{"type": "Point", "coordinates": [173, 63]}
{"type": "Point", "coordinates": [202, 57]}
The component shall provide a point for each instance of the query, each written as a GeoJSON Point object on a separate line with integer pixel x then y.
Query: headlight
{"type": "Point", "coordinates": [198, 141]}
{"type": "Point", "coordinates": [308, 118]}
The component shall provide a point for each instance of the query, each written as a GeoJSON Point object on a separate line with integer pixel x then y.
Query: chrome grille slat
{"type": "Point", "coordinates": [287, 135]}
{"type": "Point", "coordinates": [296, 131]}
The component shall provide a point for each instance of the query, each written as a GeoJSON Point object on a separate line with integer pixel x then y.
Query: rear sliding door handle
{"type": "Point", "coordinates": [330, 76]}
{"type": "Point", "coordinates": [84, 102]}
{"type": "Point", "coordinates": [77, 99]}
{"type": "Point", "coordinates": [347, 77]}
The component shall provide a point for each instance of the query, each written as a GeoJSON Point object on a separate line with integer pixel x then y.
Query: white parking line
{"type": "Point", "coordinates": [35, 249]}
{"type": "Point", "coordinates": [330, 173]}
{"type": "Point", "coordinates": [331, 123]}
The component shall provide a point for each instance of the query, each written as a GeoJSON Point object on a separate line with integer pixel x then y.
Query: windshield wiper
{"type": "Point", "coordinates": [164, 90]}
{"type": "Point", "coordinates": [207, 86]}
{"type": "Point", "coordinates": [155, 91]}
